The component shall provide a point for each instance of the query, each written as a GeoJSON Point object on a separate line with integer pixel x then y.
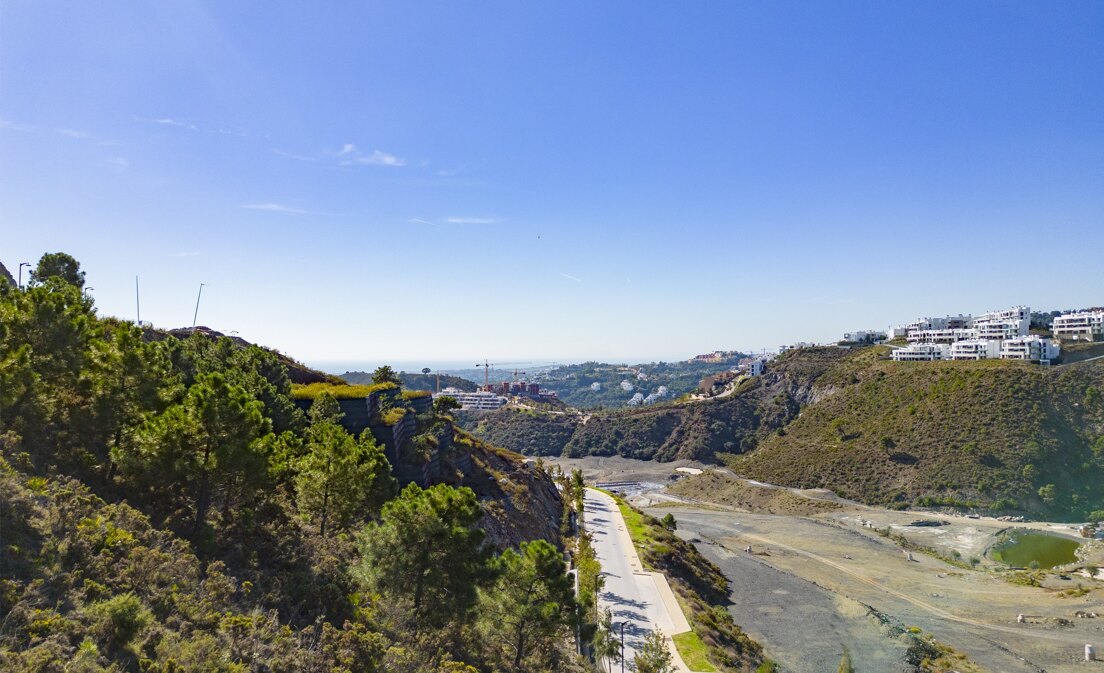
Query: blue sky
{"type": "Point", "coordinates": [556, 180]}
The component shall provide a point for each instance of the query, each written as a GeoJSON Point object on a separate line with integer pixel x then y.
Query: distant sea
{"type": "Point", "coordinates": [444, 366]}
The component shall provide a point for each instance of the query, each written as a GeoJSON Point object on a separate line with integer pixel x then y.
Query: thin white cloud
{"type": "Point", "coordinates": [472, 220]}
{"type": "Point", "coordinates": [351, 154]}
{"type": "Point", "coordinates": [418, 220]}
{"type": "Point", "coordinates": [570, 277]}
{"type": "Point", "coordinates": [274, 208]}
{"type": "Point", "coordinates": [168, 121]}
{"type": "Point", "coordinates": [9, 125]}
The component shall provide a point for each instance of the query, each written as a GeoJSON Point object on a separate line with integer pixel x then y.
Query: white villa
{"type": "Point", "coordinates": [1080, 326]}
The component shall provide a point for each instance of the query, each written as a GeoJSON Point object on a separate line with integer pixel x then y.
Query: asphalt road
{"type": "Point", "coordinates": [630, 594]}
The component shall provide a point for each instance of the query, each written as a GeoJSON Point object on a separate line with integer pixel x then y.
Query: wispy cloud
{"type": "Point", "coordinates": [418, 220]}
{"type": "Point", "coordinates": [9, 125]}
{"type": "Point", "coordinates": [168, 121]}
{"type": "Point", "coordinates": [351, 154]}
{"type": "Point", "coordinates": [472, 220]}
{"type": "Point", "coordinates": [274, 208]}
{"type": "Point", "coordinates": [570, 277]}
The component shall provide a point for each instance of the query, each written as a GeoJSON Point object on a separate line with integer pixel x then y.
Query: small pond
{"type": "Point", "coordinates": [1021, 547]}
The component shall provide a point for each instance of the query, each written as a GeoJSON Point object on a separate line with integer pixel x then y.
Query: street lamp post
{"type": "Point", "coordinates": [21, 265]}
{"type": "Point", "coordinates": [622, 647]}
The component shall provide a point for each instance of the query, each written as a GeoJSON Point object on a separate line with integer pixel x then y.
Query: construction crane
{"type": "Point", "coordinates": [487, 369]}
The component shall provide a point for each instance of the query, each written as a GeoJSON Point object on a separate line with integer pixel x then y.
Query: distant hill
{"type": "Point", "coordinates": [417, 381]}
{"type": "Point", "coordinates": [593, 385]}
{"type": "Point", "coordinates": [668, 431]}
{"type": "Point", "coordinates": [993, 434]}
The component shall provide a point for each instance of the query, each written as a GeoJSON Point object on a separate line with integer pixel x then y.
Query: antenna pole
{"type": "Point", "coordinates": [137, 301]}
{"type": "Point", "coordinates": [196, 314]}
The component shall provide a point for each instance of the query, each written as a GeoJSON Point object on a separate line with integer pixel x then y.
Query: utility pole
{"type": "Point", "coordinates": [21, 265]}
{"type": "Point", "coordinates": [137, 301]}
{"type": "Point", "coordinates": [196, 314]}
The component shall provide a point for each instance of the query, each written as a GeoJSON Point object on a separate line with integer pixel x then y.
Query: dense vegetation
{"type": "Point", "coordinates": [165, 506]}
{"type": "Point", "coordinates": [417, 381]}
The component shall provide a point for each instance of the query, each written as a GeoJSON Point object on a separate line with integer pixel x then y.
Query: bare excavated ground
{"type": "Point", "coordinates": [819, 578]}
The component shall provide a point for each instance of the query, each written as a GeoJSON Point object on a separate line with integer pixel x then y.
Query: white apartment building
{"type": "Point", "coordinates": [754, 368]}
{"type": "Point", "coordinates": [1007, 324]}
{"type": "Point", "coordinates": [1080, 326]}
{"type": "Point", "coordinates": [480, 400]}
{"type": "Point", "coordinates": [921, 353]}
{"type": "Point", "coordinates": [975, 349]}
{"type": "Point", "coordinates": [1031, 347]}
{"type": "Point", "coordinates": [959, 321]}
{"type": "Point", "coordinates": [941, 336]}
{"type": "Point", "coordinates": [636, 400]}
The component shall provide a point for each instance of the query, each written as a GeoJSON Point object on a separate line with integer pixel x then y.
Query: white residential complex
{"type": "Point", "coordinates": [480, 400]}
{"type": "Point", "coordinates": [997, 334]}
{"type": "Point", "coordinates": [1080, 326]}
{"type": "Point", "coordinates": [1031, 347]}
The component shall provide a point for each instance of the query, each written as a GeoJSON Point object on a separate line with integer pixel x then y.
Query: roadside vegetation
{"type": "Point", "coordinates": [702, 591]}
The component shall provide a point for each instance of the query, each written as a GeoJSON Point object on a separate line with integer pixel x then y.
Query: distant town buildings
{"type": "Point", "coordinates": [754, 367]}
{"type": "Point", "coordinates": [626, 386]}
{"type": "Point", "coordinates": [596, 386]}
{"type": "Point", "coordinates": [1079, 326]}
{"type": "Point", "coordinates": [715, 356]}
{"type": "Point", "coordinates": [636, 400]}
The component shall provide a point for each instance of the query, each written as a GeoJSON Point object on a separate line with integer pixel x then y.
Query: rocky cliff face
{"type": "Point", "coordinates": [520, 502]}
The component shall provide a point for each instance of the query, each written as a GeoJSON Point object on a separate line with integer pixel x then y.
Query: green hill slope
{"type": "Point", "coordinates": [1000, 434]}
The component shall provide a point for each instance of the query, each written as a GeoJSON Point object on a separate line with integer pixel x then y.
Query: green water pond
{"type": "Point", "coordinates": [1020, 548]}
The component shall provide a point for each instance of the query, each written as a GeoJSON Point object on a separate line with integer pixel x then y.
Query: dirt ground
{"type": "Point", "coordinates": [821, 578]}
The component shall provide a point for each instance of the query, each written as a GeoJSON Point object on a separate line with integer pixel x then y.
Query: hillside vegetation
{"type": "Point", "coordinates": [999, 435]}
{"type": "Point", "coordinates": [165, 506]}
{"type": "Point", "coordinates": [417, 381]}
{"type": "Point", "coordinates": [994, 434]}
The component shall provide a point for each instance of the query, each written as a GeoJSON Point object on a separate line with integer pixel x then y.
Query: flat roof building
{"type": "Point", "coordinates": [921, 353]}
{"type": "Point", "coordinates": [1079, 326]}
